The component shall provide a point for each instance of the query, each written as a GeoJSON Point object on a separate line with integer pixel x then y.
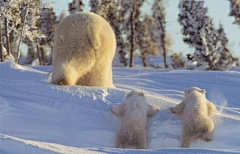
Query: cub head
{"type": "Point", "coordinates": [121, 109]}
{"type": "Point", "coordinates": [194, 89]}
{"type": "Point", "coordinates": [134, 92]}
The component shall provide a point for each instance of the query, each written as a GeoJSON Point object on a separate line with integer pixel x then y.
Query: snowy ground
{"type": "Point", "coordinates": [38, 117]}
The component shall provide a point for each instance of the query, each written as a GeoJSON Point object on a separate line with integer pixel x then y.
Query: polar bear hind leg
{"type": "Point", "coordinates": [68, 74]}
{"type": "Point", "coordinates": [189, 133]}
{"type": "Point", "coordinates": [97, 76]}
{"type": "Point", "coordinates": [207, 130]}
{"type": "Point", "coordinates": [186, 140]}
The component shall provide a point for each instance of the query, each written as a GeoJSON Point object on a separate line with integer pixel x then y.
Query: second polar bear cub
{"type": "Point", "coordinates": [83, 51]}
{"type": "Point", "coordinates": [195, 110]}
{"type": "Point", "coordinates": [134, 113]}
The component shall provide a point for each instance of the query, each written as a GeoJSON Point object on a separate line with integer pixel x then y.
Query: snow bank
{"type": "Point", "coordinates": [38, 117]}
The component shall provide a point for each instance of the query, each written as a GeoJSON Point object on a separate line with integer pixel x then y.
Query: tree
{"type": "Point", "coordinates": [30, 16]}
{"type": "Point", "coordinates": [177, 61]}
{"type": "Point", "coordinates": [199, 32]}
{"type": "Point", "coordinates": [226, 57]}
{"type": "Point", "coordinates": [22, 23]}
{"type": "Point", "coordinates": [104, 8]}
{"type": "Point", "coordinates": [1, 44]}
{"type": "Point", "coordinates": [235, 10]}
{"type": "Point", "coordinates": [131, 14]}
{"type": "Point", "coordinates": [144, 40]}
{"type": "Point", "coordinates": [47, 25]}
{"type": "Point", "coordinates": [160, 18]}
{"type": "Point", "coordinates": [76, 6]}
{"type": "Point", "coordinates": [94, 4]}
{"type": "Point", "coordinates": [114, 12]}
{"type": "Point", "coordinates": [133, 41]}
{"type": "Point", "coordinates": [9, 15]}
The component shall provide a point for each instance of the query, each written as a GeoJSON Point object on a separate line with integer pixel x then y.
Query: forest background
{"type": "Point", "coordinates": [143, 28]}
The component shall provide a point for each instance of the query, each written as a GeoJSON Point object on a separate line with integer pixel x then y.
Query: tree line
{"type": "Point", "coordinates": [137, 34]}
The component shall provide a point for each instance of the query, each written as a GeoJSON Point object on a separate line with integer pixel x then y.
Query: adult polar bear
{"type": "Point", "coordinates": [83, 51]}
{"type": "Point", "coordinates": [195, 110]}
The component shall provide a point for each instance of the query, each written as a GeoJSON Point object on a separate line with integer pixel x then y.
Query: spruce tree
{"type": "Point", "coordinates": [177, 61]}
{"type": "Point", "coordinates": [112, 11]}
{"type": "Point", "coordinates": [94, 5]}
{"type": "Point", "coordinates": [145, 43]}
{"type": "Point", "coordinates": [47, 25]}
{"type": "Point", "coordinates": [116, 19]}
{"type": "Point", "coordinates": [235, 10]}
{"type": "Point", "coordinates": [199, 32]}
{"type": "Point", "coordinates": [21, 19]}
{"type": "Point", "coordinates": [131, 15]}
{"type": "Point", "coordinates": [1, 45]}
{"type": "Point", "coordinates": [76, 6]}
{"type": "Point", "coordinates": [160, 18]}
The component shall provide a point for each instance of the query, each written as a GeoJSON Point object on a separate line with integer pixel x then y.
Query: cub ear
{"type": "Point", "coordinates": [186, 91]}
{"type": "Point", "coordinates": [203, 91]}
{"type": "Point", "coordinates": [118, 110]}
{"type": "Point", "coordinates": [152, 110]}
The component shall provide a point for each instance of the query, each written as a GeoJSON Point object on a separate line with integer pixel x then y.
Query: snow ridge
{"type": "Point", "coordinates": [38, 117]}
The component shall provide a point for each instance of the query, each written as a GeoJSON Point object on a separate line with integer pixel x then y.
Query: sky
{"type": "Point", "coordinates": [218, 10]}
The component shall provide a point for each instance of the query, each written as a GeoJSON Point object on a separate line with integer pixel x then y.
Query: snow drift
{"type": "Point", "coordinates": [39, 117]}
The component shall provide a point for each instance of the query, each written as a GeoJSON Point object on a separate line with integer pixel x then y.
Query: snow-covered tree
{"type": "Point", "coordinates": [115, 17]}
{"type": "Point", "coordinates": [94, 5]}
{"type": "Point", "coordinates": [1, 45]}
{"type": "Point", "coordinates": [177, 61]}
{"type": "Point", "coordinates": [105, 7]}
{"type": "Point", "coordinates": [235, 10]}
{"type": "Point", "coordinates": [199, 32]}
{"type": "Point", "coordinates": [30, 16]}
{"type": "Point", "coordinates": [145, 43]}
{"type": "Point", "coordinates": [131, 15]}
{"type": "Point", "coordinates": [22, 19]}
{"type": "Point", "coordinates": [47, 26]}
{"type": "Point", "coordinates": [112, 11]}
{"type": "Point", "coordinates": [10, 17]}
{"type": "Point", "coordinates": [160, 34]}
{"type": "Point", "coordinates": [225, 57]}
{"type": "Point", "coordinates": [76, 6]}
{"type": "Point", "coordinates": [31, 22]}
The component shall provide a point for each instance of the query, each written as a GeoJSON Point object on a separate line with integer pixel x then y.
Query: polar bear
{"type": "Point", "coordinates": [83, 51]}
{"type": "Point", "coordinates": [133, 113]}
{"type": "Point", "coordinates": [195, 110]}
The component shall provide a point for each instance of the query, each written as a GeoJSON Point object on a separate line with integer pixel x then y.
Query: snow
{"type": "Point", "coordinates": [39, 117]}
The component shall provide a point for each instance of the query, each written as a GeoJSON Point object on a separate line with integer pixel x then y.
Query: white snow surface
{"type": "Point", "coordinates": [39, 117]}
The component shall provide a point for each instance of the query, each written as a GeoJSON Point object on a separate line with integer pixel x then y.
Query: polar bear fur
{"type": "Point", "coordinates": [133, 113]}
{"type": "Point", "coordinates": [195, 110]}
{"type": "Point", "coordinates": [83, 51]}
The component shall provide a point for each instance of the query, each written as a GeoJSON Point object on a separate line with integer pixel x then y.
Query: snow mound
{"type": "Point", "coordinates": [39, 117]}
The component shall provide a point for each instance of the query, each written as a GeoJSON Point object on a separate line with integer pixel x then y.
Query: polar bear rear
{"type": "Point", "coordinates": [195, 110]}
{"type": "Point", "coordinates": [83, 51]}
{"type": "Point", "coordinates": [133, 113]}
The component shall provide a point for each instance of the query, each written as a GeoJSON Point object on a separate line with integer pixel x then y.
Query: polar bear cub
{"type": "Point", "coordinates": [83, 51]}
{"type": "Point", "coordinates": [195, 110]}
{"type": "Point", "coordinates": [133, 113]}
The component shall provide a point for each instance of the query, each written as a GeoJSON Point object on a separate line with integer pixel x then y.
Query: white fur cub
{"type": "Point", "coordinates": [134, 113]}
{"type": "Point", "coordinates": [195, 110]}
